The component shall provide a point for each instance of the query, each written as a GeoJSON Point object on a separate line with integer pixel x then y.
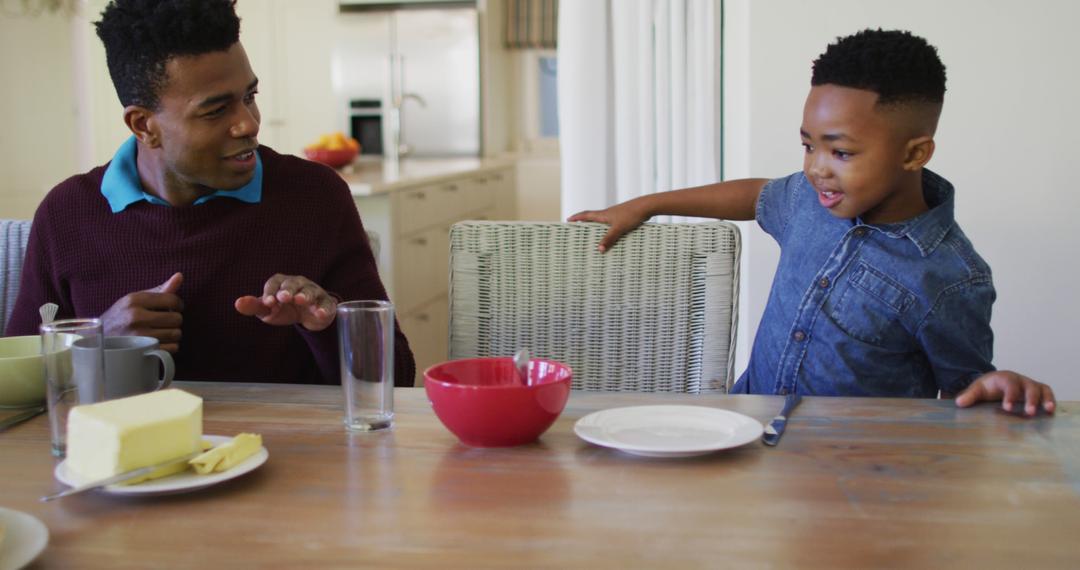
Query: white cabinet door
{"type": "Point", "coordinates": [427, 330]}
{"type": "Point", "coordinates": [291, 51]}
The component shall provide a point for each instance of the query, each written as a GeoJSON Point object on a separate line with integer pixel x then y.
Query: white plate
{"type": "Point", "coordinates": [26, 538]}
{"type": "Point", "coordinates": [180, 483]}
{"type": "Point", "coordinates": [668, 431]}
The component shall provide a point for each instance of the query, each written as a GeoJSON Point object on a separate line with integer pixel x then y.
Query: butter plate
{"type": "Point", "coordinates": [668, 431]}
{"type": "Point", "coordinates": [25, 539]}
{"type": "Point", "coordinates": [179, 483]}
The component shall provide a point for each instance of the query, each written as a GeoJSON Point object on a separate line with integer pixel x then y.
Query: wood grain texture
{"type": "Point", "coordinates": [868, 483]}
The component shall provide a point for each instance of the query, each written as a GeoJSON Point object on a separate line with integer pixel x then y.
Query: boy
{"type": "Point", "coordinates": [878, 292]}
{"type": "Point", "coordinates": [233, 256]}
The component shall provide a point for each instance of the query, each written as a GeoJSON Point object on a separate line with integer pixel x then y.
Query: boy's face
{"type": "Point", "coordinates": [207, 121]}
{"type": "Point", "coordinates": [855, 155]}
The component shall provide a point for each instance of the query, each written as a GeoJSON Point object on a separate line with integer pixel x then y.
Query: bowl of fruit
{"type": "Point", "coordinates": [334, 150]}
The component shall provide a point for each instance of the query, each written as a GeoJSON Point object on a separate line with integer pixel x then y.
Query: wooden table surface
{"type": "Point", "coordinates": [865, 483]}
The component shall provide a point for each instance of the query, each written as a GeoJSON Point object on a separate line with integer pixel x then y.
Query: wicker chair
{"type": "Point", "coordinates": [13, 237]}
{"type": "Point", "coordinates": [656, 313]}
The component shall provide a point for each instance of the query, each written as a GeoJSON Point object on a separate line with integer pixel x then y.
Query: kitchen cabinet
{"type": "Point", "coordinates": [291, 47]}
{"type": "Point", "coordinates": [412, 207]}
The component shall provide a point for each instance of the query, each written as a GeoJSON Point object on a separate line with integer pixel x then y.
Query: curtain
{"type": "Point", "coordinates": [531, 24]}
{"type": "Point", "coordinates": [639, 98]}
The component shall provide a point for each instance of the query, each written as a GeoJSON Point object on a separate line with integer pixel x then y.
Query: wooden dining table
{"type": "Point", "coordinates": [854, 483]}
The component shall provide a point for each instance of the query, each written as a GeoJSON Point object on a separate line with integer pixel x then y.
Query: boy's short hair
{"type": "Point", "coordinates": [141, 36]}
{"type": "Point", "coordinates": [898, 66]}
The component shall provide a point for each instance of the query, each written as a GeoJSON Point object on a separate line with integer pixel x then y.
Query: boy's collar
{"type": "Point", "coordinates": [928, 229]}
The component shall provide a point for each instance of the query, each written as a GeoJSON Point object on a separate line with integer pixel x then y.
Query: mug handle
{"type": "Point", "coordinates": [170, 369]}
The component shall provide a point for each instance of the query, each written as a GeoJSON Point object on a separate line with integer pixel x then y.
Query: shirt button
{"type": "Point", "coordinates": [799, 336]}
{"type": "Point", "coordinates": [823, 282]}
{"type": "Point", "coordinates": [860, 232]}
{"type": "Point", "coordinates": [783, 391]}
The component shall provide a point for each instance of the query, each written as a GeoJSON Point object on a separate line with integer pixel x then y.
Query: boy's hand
{"type": "Point", "coordinates": [621, 217]}
{"type": "Point", "coordinates": [1010, 388]}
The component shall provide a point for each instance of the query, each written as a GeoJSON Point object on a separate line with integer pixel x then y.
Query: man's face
{"type": "Point", "coordinates": [207, 121]}
{"type": "Point", "coordinates": [855, 155]}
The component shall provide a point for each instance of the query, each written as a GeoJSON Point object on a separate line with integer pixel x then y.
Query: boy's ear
{"type": "Point", "coordinates": [140, 121]}
{"type": "Point", "coordinates": [918, 152]}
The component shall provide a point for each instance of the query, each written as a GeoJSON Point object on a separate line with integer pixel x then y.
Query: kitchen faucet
{"type": "Point", "coordinates": [403, 148]}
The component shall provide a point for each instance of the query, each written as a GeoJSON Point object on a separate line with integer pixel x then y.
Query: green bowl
{"type": "Point", "coordinates": [22, 372]}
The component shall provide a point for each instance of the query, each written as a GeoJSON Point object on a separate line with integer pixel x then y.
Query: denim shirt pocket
{"type": "Point", "coordinates": [869, 306]}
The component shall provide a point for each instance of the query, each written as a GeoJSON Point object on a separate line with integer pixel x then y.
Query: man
{"type": "Point", "coordinates": [194, 233]}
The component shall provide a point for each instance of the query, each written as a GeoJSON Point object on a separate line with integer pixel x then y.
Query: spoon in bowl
{"type": "Point", "coordinates": [521, 363]}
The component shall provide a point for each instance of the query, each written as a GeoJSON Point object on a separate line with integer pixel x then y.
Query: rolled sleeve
{"type": "Point", "coordinates": [775, 204]}
{"type": "Point", "coordinates": [956, 335]}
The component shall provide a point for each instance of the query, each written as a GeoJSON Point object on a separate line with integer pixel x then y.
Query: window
{"type": "Point", "coordinates": [539, 100]}
{"type": "Point", "coordinates": [548, 95]}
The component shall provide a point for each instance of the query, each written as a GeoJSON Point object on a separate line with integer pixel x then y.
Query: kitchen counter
{"type": "Point", "coordinates": [369, 176]}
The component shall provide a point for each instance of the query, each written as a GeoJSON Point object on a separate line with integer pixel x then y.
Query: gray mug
{"type": "Point", "coordinates": [131, 365]}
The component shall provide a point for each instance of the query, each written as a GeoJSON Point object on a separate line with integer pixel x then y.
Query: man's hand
{"type": "Point", "coordinates": [288, 300]}
{"type": "Point", "coordinates": [1010, 388]}
{"type": "Point", "coordinates": [153, 312]}
{"type": "Point", "coordinates": [621, 217]}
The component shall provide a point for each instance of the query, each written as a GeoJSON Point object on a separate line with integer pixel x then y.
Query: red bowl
{"type": "Point", "coordinates": [485, 403]}
{"type": "Point", "coordinates": [331, 158]}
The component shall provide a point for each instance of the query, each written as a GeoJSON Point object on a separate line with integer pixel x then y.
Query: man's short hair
{"type": "Point", "coordinates": [141, 36]}
{"type": "Point", "coordinates": [898, 66]}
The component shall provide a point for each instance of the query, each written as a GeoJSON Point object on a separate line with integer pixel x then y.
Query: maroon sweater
{"type": "Point", "coordinates": [83, 257]}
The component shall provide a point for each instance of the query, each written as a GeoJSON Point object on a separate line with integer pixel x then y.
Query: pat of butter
{"type": "Point", "coordinates": [158, 473]}
{"type": "Point", "coordinates": [227, 455]}
{"type": "Point", "coordinates": [120, 435]}
{"type": "Point", "coordinates": [168, 470]}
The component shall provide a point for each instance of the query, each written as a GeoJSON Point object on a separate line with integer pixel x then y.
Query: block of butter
{"type": "Point", "coordinates": [128, 433]}
{"type": "Point", "coordinates": [227, 455]}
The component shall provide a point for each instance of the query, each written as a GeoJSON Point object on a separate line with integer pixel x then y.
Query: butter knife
{"type": "Point", "coordinates": [20, 417]}
{"type": "Point", "coordinates": [775, 429]}
{"type": "Point", "coordinates": [121, 477]}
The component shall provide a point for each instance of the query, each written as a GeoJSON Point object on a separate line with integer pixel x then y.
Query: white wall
{"type": "Point", "coordinates": [1009, 132]}
{"type": "Point", "coordinates": [37, 149]}
{"type": "Point", "coordinates": [538, 187]}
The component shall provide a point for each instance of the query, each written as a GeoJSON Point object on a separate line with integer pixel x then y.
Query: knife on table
{"type": "Point", "coordinates": [775, 429]}
{"type": "Point", "coordinates": [20, 418]}
{"type": "Point", "coordinates": [121, 477]}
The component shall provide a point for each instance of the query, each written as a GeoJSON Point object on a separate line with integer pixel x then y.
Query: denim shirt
{"type": "Point", "coordinates": [869, 310]}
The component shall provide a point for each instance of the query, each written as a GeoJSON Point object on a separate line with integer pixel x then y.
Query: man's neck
{"type": "Point", "coordinates": [162, 182]}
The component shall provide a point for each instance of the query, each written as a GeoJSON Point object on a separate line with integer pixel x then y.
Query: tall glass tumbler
{"type": "Point", "coordinates": [70, 382]}
{"type": "Point", "coordinates": [366, 349]}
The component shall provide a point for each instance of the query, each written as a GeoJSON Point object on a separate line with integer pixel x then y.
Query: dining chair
{"type": "Point", "coordinates": [656, 313]}
{"type": "Point", "coordinates": [13, 237]}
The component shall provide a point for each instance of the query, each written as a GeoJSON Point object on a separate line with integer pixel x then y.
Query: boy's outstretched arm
{"type": "Point", "coordinates": [731, 200]}
{"type": "Point", "coordinates": [1009, 388]}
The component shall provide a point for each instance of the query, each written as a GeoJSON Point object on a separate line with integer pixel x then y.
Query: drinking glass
{"type": "Point", "coordinates": [70, 382]}
{"type": "Point", "coordinates": [366, 349]}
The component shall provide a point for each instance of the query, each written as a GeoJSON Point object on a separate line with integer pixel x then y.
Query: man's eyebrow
{"type": "Point", "coordinates": [225, 97]}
